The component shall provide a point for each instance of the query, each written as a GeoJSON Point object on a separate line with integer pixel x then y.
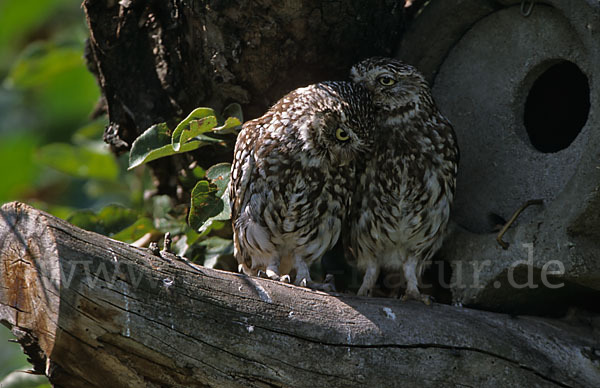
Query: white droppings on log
{"type": "Point", "coordinates": [168, 282]}
{"type": "Point", "coordinates": [389, 313]}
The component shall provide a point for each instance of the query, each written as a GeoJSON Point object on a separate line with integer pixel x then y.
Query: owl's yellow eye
{"type": "Point", "coordinates": [386, 81]}
{"type": "Point", "coordinates": [341, 135]}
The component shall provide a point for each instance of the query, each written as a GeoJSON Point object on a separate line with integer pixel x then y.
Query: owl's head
{"type": "Point", "coordinates": [341, 121]}
{"type": "Point", "coordinates": [395, 86]}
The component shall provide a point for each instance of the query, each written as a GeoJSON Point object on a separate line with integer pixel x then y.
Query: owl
{"type": "Point", "coordinates": [405, 189]}
{"type": "Point", "coordinates": [292, 177]}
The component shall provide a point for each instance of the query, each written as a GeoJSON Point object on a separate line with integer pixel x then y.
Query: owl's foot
{"type": "Point", "coordinates": [274, 276]}
{"type": "Point", "coordinates": [426, 299]}
{"type": "Point", "coordinates": [364, 291]}
{"type": "Point", "coordinates": [328, 285]}
{"type": "Point", "coordinates": [285, 279]}
{"type": "Point", "coordinates": [369, 280]}
{"type": "Point", "coordinates": [269, 274]}
{"type": "Point", "coordinates": [412, 288]}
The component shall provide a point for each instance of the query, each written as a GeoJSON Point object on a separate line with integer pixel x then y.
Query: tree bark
{"type": "Point", "coordinates": [91, 311]}
{"type": "Point", "coordinates": [157, 60]}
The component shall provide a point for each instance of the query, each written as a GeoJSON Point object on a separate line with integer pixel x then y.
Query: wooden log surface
{"type": "Point", "coordinates": [91, 311]}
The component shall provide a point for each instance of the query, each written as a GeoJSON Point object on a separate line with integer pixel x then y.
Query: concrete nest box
{"type": "Point", "coordinates": [520, 81]}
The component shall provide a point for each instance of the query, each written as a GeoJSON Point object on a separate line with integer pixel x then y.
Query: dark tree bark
{"type": "Point", "coordinates": [91, 311]}
{"type": "Point", "coordinates": [157, 60]}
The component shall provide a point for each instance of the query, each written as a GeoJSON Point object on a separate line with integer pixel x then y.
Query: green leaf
{"type": "Point", "coordinates": [201, 120]}
{"type": "Point", "coordinates": [198, 172]}
{"type": "Point", "coordinates": [86, 219]}
{"type": "Point", "coordinates": [164, 221]}
{"type": "Point", "coordinates": [225, 214]}
{"type": "Point", "coordinates": [216, 248]}
{"type": "Point", "coordinates": [234, 121]}
{"type": "Point", "coordinates": [181, 246]}
{"type": "Point", "coordinates": [147, 145]}
{"type": "Point", "coordinates": [155, 143]}
{"type": "Point", "coordinates": [21, 20]}
{"type": "Point", "coordinates": [211, 225]}
{"type": "Point", "coordinates": [167, 151]}
{"type": "Point", "coordinates": [116, 218]}
{"type": "Point", "coordinates": [16, 150]}
{"type": "Point", "coordinates": [61, 91]}
{"type": "Point", "coordinates": [232, 125]}
{"type": "Point", "coordinates": [204, 204]}
{"type": "Point", "coordinates": [219, 175]}
{"type": "Point", "coordinates": [108, 221]}
{"type": "Point", "coordinates": [90, 132]}
{"type": "Point", "coordinates": [41, 62]}
{"type": "Point", "coordinates": [11, 356]}
{"type": "Point", "coordinates": [161, 206]}
{"type": "Point", "coordinates": [18, 379]}
{"type": "Point", "coordinates": [210, 200]}
{"type": "Point", "coordinates": [135, 231]}
{"type": "Point", "coordinates": [79, 161]}
{"type": "Point", "coordinates": [234, 110]}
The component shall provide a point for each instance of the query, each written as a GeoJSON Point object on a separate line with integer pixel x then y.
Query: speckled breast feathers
{"type": "Point", "coordinates": [293, 174]}
{"type": "Point", "coordinates": [404, 192]}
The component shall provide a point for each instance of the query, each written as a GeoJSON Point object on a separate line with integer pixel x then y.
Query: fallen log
{"type": "Point", "coordinates": [91, 311]}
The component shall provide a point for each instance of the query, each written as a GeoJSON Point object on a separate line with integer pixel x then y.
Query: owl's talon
{"type": "Point", "coordinates": [285, 279]}
{"type": "Point", "coordinates": [327, 287]}
{"type": "Point", "coordinates": [363, 291]}
{"type": "Point", "coordinates": [272, 274]}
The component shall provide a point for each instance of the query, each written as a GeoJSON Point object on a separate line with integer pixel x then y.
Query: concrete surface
{"type": "Point", "coordinates": [482, 61]}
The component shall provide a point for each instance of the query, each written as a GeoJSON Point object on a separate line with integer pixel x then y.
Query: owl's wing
{"type": "Point", "coordinates": [242, 169]}
{"type": "Point", "coordinates": [447, 146]}
{"type": "Point", "coordinates": [243, 165]}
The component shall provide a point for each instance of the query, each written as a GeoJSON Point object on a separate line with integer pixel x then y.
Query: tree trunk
{"type": "Point", "coordinates": [157, 60]}
{"type": "Point", "coordinates": [91, 311]}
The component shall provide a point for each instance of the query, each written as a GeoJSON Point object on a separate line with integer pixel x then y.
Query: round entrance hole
{"type": "Point", "coordinates": [557, 107]}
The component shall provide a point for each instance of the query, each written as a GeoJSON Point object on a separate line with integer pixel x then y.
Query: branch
{"type": "Point", "coordinates": [92, 311]}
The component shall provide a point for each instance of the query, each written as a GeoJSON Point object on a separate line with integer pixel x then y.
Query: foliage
{"type": "Point", "coordinates": [210, 200]}
{"type": "Point", "coordinates": [208, 208]}
{"type": "Point", "coordinates": [57, 158]}
{"type": "Point", "coordinates": [53, 156]}
{"type": "Point", "coordinates": [209, 203]}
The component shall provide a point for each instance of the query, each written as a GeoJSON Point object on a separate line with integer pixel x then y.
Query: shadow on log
{"type": "Point", "coordinates": [91, 311]}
